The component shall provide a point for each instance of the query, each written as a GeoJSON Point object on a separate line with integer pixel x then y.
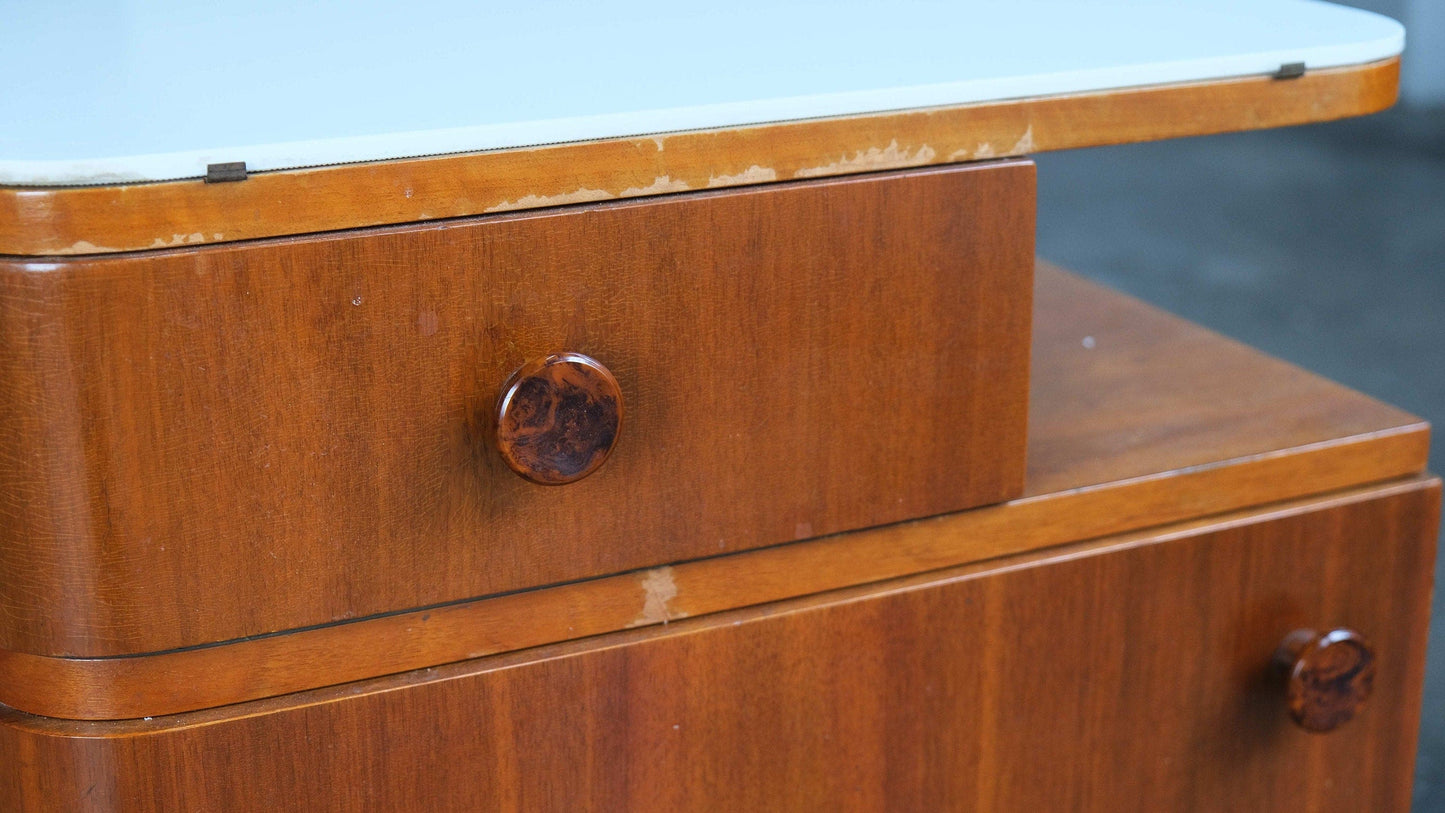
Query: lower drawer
{"type": "Point", "coordinates": [1132, 672]}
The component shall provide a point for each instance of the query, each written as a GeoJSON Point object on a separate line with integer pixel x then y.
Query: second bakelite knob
{"type": "Point", "coordinates": [1329, 676]}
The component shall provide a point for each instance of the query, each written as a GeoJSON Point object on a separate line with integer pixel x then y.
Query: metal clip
{"type": "Point", "coordinates": [224, 173]}
{"type": "Point", "coordinates": [1290, 70]}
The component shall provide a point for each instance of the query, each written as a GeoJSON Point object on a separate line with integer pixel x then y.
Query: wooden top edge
{"type": "Point", "coordinates": [60, 221]}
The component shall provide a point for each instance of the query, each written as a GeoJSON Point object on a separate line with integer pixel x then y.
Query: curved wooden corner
{"type": "Point", "coordinates": [131, 217]}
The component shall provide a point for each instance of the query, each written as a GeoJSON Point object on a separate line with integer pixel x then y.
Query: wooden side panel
{"type": "Point", "coordinates": [202, 445]}
{"type": "Point", "coordinates": [1132, 674]}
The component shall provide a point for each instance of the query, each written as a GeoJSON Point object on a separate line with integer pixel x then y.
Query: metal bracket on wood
{"type": "Point", "coordinates": [224, 173]}
{"type": "Point", "coordinates": [1290, 70]}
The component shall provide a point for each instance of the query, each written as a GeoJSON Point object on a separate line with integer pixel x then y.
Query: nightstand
{"type": "Point", "coordinates": [704, 438]}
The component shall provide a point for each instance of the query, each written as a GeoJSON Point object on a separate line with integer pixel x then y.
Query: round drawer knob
{"type": "Point", "coordinates": [1330, 676]}
{"type": "Point", "coordinates": [558, 418]}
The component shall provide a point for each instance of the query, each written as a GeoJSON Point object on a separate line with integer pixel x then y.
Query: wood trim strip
{"type": "Point", "coordinates": [51, 221]}
{"type": "Point", "coordinates": [186, 680]}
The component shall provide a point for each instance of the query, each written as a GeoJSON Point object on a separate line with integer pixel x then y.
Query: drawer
{"type": "Point", "coordinates": [1135, 672]}
{"type": "Point", "coordinates": [207, 444]}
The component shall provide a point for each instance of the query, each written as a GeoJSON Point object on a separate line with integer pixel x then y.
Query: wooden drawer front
{"type": "Point", "coordinates": [209, 444]}
{"type": "Point", "coordinates": [1133, 673]}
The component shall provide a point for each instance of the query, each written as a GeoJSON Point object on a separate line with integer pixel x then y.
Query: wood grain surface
{"type": "Point", "coordinates": [1151, 420]}
{"type": "Point", "coordinates": [209, 444]}
{"type": "Point", "coordinates": [1133, 673]}
{"type": "Point", "coordinates": [132, 217]}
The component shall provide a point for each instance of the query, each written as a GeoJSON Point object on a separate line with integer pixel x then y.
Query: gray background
{"type": "Point", "coordinates": [1324, 245]}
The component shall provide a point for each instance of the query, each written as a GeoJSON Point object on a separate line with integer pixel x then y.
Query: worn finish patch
{"type": "Point", "coordinates": [658, 589]}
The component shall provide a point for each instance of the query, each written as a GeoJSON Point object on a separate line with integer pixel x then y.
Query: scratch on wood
{"type": "Point", "coordinates": [582, 195]}
{"type": "Point", "coordinates": [873, 158]}
{"type": "Point", "coordinates": [84, 247]}
{"type": "Point", "coordinates": [753, 174]}
{"type": "Point", "coordinates": [660, 185]}
{"type": "Point", "coordinates": [178, 240]}
{"type": "Point", "coordinates": [658, 589]}
{"type": "Point", "coordinates": [1025, 143]}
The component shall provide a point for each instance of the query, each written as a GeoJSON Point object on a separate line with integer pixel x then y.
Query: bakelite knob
{"type": "Point", "coordinates": [558, 418]}
{"type": "Point", "coordinates": [1329, 676]}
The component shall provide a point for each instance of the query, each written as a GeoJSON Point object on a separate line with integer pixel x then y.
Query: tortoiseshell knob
{"type": "Point", "coordinates": [1330, 676]}
{"type": "Point", "coordinates": [558, 418]}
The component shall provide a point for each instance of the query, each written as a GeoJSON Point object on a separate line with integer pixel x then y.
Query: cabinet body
{"type": "Point", "coordinates": [850, 503]}
{"type": "Point", "coordinates": [262, 555]}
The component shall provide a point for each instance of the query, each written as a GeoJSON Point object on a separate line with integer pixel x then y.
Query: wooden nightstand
{"type": "Point", "coordinates": [750, 465]}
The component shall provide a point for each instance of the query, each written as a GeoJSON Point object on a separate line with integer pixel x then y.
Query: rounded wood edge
{"type": "Point", "coordinates": [61, 221]}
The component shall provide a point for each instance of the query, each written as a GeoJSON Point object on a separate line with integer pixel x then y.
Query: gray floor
{"type": "Point", "coordinates": [1324, 245]}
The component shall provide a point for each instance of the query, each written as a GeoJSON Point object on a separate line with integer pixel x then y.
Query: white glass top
{"type": "Point", "coordinates": [99, 92]}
